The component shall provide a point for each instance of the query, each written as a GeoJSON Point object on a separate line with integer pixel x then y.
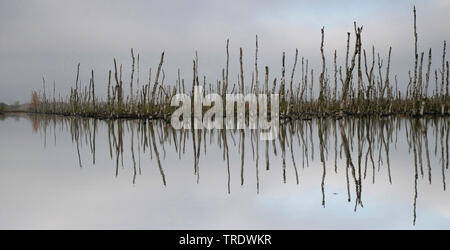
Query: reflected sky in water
{"type": "Point", "coordinates": [71, 173]}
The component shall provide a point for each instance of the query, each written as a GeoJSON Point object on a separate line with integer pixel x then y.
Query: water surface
{"type": "Point", "coordinates": [73, 173]}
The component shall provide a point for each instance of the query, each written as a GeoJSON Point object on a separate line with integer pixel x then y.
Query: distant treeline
{"type": "Point", "coordinates": [3, 106]}
{"type": "Point", "coordinates": [16, 107]}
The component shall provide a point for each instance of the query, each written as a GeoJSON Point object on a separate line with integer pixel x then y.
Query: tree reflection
{"type": "Point", "coordinates": [357, 148]}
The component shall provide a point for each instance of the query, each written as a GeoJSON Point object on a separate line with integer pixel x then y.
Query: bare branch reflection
{"type": "Point", "coordinates": [354, 148]}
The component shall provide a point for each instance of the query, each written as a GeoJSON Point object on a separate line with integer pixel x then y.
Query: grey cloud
{"type": "Point", "coordinates": [50, 37]}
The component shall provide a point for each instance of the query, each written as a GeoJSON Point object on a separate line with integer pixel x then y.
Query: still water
{"type": "Point", "coordinates": [72, 173]}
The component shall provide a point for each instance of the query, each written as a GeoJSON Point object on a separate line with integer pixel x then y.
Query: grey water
{"type": "Point", "coordinates": [353, 173]}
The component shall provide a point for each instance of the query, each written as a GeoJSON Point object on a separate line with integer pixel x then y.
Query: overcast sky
{"type": "Point", "coordinates": [48, 38]}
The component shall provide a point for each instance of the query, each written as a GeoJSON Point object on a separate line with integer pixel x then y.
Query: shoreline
{"type": "Point", "coordinates": [285, 118]}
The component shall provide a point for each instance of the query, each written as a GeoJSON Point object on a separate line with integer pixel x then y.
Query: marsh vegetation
{"type": "Point", "coordinates": [363, 86]}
